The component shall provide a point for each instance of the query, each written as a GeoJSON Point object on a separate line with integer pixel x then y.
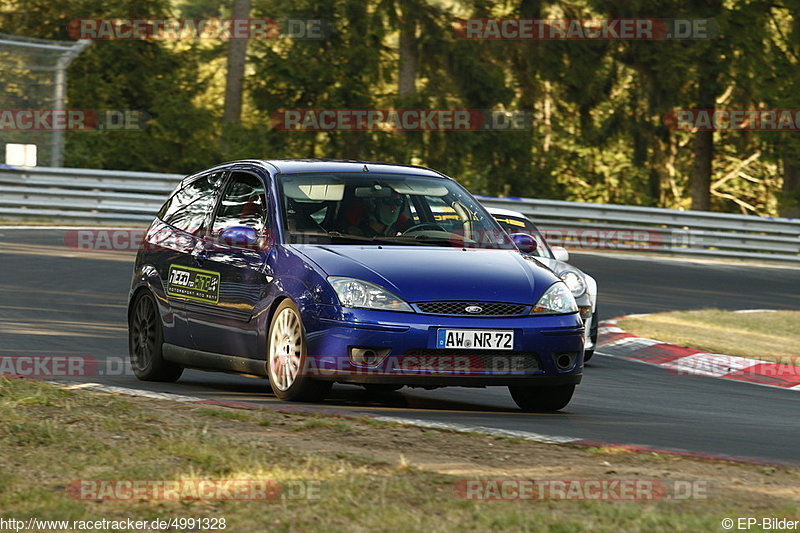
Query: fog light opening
{"type": "Point", "coordinates": [565, 360]}
{"type": "Point", "coordinates": [369, 357]}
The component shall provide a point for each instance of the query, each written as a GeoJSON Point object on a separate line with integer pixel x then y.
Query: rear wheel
{"type": "Point", "coordinates": [533, 399]}
{"type": "Point", "coordinates": [145, 340]}
{"type": "Point", "coordinates": [286, 359]}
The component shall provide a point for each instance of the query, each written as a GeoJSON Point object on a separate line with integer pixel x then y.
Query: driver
{"type": "Point", "coordinates": [381, 218]}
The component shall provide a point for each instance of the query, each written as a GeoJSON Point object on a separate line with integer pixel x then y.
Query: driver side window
{"type": "Point", "coordinates": [244, 203]}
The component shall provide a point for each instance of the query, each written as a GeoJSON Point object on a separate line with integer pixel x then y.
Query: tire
{"type": "Point", "coordinates": [542, 399]}
{"type": "Point", "coordinates": [145, 342]}
{"type": "Point", "coordinates": [593, 336]}
{"type": "Point", "coordinates": [286, 357]}
{"type": "Point", "coordinates": [381, 387]}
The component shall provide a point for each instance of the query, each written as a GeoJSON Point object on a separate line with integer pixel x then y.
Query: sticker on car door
{"type": "Point", "coordinates": [193, 284]}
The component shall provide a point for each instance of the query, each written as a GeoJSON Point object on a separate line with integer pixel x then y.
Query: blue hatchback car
{"type": "Point", "coordinates": [311, 272]}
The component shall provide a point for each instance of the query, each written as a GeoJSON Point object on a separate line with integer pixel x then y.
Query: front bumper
{"type": "Point", "coordinates": [407, 342]}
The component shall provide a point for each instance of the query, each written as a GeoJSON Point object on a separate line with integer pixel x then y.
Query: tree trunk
{"type": "Point", "coordinates": [658, 177]}
{"type": "Point", "coordinates": [547, 117]}
{"type": "Point", "coordinates": [409, 55]}
{"type": "Point", "coordinates": [790, 193]}
{"type": "Point", "coordinates": [237, 52]}
{"type": "Point", "coordinates": [708, 88]}
{"type": "Point", "coordinates": [703, 144]}
{"type": "Point", "coordinates": [701, 170]}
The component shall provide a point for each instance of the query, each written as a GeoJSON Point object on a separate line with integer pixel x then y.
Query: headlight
{"type": "Point", "coordinates": [357, 293]}
{"type": "Point", "coordinates": [575, 282]}
{"type": "Point", "coordinates": [557, 300]}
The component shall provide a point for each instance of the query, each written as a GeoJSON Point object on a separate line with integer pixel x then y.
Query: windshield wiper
{"type": "Point", "coordinates": [429, 240]}
{"type": "Point", "coordinates": [386, 239]}
{"type": "Point", "coordinates": [339, 235]}
{"type": "Point", "coordinates": [454, 239]}
{"type": "Point", "coordinates": [330, 235]}
{"type": "Point", "coordinates": [355, 238]}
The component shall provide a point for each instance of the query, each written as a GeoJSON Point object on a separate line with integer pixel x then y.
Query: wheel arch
{"type": "Point", "coordinates": [144, 278]}
{"type": "Point", "coordinates": [135, 296]}
{"type": "Point", "coordinates": [269, 315]}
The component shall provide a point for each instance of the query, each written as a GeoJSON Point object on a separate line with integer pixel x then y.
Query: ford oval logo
{"type": "Point", "coordinates": [473, 309]}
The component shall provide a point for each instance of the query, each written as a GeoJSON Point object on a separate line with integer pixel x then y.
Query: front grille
{"type": "Point", "coordinates": [464, 361]}
{"type": "Point", "coordinates": [459, 308]}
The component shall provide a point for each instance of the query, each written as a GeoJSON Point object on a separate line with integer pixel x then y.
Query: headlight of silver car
{"type": "Point", "coordinates": [556, 300]}
{"type": "Point", "coordinates": [575, 282]}
{"type": "Point", "coordinates": [358, 293]}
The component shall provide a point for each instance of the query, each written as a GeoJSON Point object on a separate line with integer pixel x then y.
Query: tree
{"type": "Point", "coordinates": [237, 52]}
{"type": "Point", "coordinates": [708, 70]}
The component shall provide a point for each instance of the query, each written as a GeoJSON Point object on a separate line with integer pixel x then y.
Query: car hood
{"type": "Point", "coordinates": [426, 273]}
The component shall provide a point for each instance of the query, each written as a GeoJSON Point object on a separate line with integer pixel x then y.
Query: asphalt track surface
{"type": "Point", "coordinates": [55, 300]}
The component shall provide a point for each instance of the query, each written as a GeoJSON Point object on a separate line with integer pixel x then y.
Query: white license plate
{"type": "Point", "coordinates": [475, 339]}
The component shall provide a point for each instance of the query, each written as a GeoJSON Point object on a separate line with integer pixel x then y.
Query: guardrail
{"type": "Point", "coordinates": [88, 196]}
{"type": "Point", "coordinates": [81, 195]}
{"type": "Point", "coordinates": [590, 226]}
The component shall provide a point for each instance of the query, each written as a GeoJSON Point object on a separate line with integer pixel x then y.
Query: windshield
{"type": "Point", "coordinates": [515, 224]}
{"type": "Point", "coordinates": [348, 208]}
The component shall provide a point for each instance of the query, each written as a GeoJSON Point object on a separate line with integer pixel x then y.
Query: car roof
{"type": "Point", "coordinates": [293, 166]}
{"type": "Point", "coordinates": [504, 212]}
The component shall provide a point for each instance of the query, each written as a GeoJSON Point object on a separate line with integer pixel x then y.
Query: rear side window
{"type": "Point", "coordinates": [243, 204]}
{"type": "Point", "coordinates": [188, 208]}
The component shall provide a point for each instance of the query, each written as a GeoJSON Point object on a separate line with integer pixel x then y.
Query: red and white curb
{"type": "Point", "coordinates": [683, 361]}
{"type": "Point", "coordinates": [427, 424]}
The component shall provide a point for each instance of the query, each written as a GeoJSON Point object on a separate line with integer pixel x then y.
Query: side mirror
{"type": "Point", "coordinates": [241, 237]}
{"type": "Point", "coordinates": [560, 253]}
{"type": "Point", "coordinates": [524, 242]}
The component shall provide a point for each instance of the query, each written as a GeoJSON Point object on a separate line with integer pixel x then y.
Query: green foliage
{"type": "Point", "coordinates": [598, 106]}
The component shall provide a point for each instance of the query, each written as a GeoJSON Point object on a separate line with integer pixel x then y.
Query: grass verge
{"type": "Point", "coordinates": [772, 336]}
{"type": "Point", "coordinates": [371, 476]}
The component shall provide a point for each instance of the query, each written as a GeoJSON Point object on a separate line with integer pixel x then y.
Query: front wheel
{"type": "Point", "coordinates": [533, 399]}
{"type": "Point", "coordinates": [286, 358]}
{"type": "Point", "coordinates": [145, 340]}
